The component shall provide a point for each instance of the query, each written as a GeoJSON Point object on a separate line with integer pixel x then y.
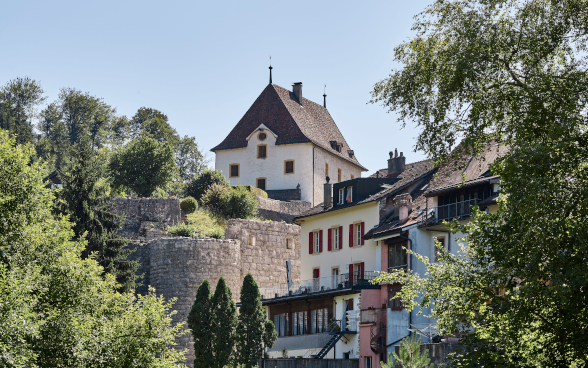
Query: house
{"type": "Point", "coordinates": [335, 312]}
{"type": "Point", "coordinates": [286, 145]}
{"type": "Point", "coordinates": [419, 222]}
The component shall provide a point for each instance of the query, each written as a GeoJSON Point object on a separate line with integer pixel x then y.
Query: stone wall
{"type": "Point", "coordinates": [274, 210]}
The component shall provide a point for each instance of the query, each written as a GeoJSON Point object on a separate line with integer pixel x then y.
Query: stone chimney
{"type": "Point", "coordinates": [328, 201]}
{"type": "Point", "coordinates": [396, 164]}
{"type": "Point", "coordinates": [297, 89]}
{"type": "Point", "coordinates": [402, 206]}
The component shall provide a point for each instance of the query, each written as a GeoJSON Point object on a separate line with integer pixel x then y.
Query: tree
{"type": "Point", "coordinates": [513, 72]}
{"type": "Point", "coordinates": [189, 159]}
{"type": "Point", "coordinates": [88, 208]}
{"type": "Point", "coordinates": [143, 165]}
{"type": "Point", "coordinates": [200, 323]}
{"type": "Point", "coordinates": [201, 183]}
{"type": "Point", "coordinates": [251, 326]}
{"type": "Point", "coordinates": [152, 123]}
{"type": "Point", "coordinates": [224, 320]}
{"type": "Point", "coordinates": [19, 99]}
{"type": "Point", "coordinates": [410, 355]}
{"type": "Point", "coordinates": [57, 309]}
{"type": "Point", "coordinates": [238, 202]}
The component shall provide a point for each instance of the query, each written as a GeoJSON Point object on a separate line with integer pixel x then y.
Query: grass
{"type": "Point", "coordinates": [203, 222]}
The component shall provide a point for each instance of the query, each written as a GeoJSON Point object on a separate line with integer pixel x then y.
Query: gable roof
{"type": "Point", "coordinates": [278, 109]}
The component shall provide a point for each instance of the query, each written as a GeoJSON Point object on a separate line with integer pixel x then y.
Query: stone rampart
{"type": "Point", "coordinates": [271, 209]}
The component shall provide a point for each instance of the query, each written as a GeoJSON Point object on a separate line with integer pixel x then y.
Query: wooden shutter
{"type": "Point", "coordinates": [351, 236]}
{"type": "Point", "coordinates": [362, 232]}
{"type": "Point", "coordinates": [361, 270]}
{"type": "Point", "coordinates": [329, 240]}
{"type": "Point", "coordinates": [350, 305]}
{"type": "Point", "coordinates": [351, 273]}
{"type": "Point", "coordinates": [320, 241]}
{"type": "Point", "coordinates": [340, 237]}
{"type": "Point", "coordinates": [310, 242]}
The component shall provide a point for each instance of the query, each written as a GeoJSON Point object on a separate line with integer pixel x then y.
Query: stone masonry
{"type": "Point", "coordinates": [271, 209]}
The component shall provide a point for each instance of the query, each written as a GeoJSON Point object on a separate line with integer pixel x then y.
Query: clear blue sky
{"type": "Point", "coordinates": [204, 63]}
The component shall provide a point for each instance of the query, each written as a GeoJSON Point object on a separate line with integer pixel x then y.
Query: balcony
{"type": "Point", "coordinates": [458, 210]}
{"type": "Point", "coordinates": [320, 285]}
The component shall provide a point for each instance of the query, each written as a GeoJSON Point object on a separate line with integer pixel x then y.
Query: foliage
{"type": "Point", "coordinates": [182, 229]}
{"type": "Point", "coordinates": [251, 325]}
{"type": "Point", "coordinates": [216, 234]}
{"type": "Point", "coordinates": [191, 162]}
{"type": "Point", "coordinates": [143, 165]}
{"type": "Point", "coordinates": [410, 356]}
{"type": "Point", "coordinates": [270, 335]}
{"type": "Point", "coordinates": [152, 123]}
{"type": "Point", "coordinates": [201, 183]}
{"type": "Point", "coordinates": [189, 205]}
{"type": "Point", "coordinates": [224, 321]}
{"type": "Point", "coordinates": [205, 223]}
{"type": "Point", "coordinates": [200, 323]}
{"type": "Point", "coordinates": [253, 190]}
{"type": "Point", "coordinates": [19, 99]}
{"type": "Point", "coordinates": [237, 203]}
{"type": "Point", "coordinates": [57, 308]}
{"type": "Point", "coordinates": [212, 198]}
{"type": "Point", "coordinates": [87, 206]}
{"type": "Point", "coordinates": [513, 72]}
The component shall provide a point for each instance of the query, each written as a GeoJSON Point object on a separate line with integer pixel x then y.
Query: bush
{"type": "Point", "coordinates": [216, 233]}
{"type": "Point", "coordinates": [189, 205]}
{"type": "Point", "coordinates": [238, 203]}
{"type": "Point", "coordinates": [181, 230]}
{"type": "Point", "coordinates": [212, 197]}
{"type": "Point", "coordinates": [198, 186]}
{"type": "Point", "coordinates": [253, 190]}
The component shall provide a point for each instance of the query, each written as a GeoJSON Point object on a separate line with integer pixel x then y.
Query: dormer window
{"type": "Point", "coordinates": [341, 195]}
{"type": "Point", "coordinates": [350, 152]}
{"type": "Point", "coordinates": [336, 146]}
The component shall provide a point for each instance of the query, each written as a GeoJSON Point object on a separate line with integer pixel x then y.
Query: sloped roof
{"type": "Point", "coordinates": [413, 172]}
{"type": "Point", "coordinates": [279, 110]}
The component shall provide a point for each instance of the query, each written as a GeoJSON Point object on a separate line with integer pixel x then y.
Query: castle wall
{"type": "Point", "coordinates": [271, 209]}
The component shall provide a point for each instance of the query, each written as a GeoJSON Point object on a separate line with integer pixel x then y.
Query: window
{"type": "Point", "coordinates": [338, 175]}
{"type": "Point", "coordinates": [262, 136]}
{"type": "Point", "coordinates": [336, 238]}
{"type": "Point", "coordinates": [233, 170]}
{"type": "Point", "coordinates": [397, 256]}
{"type": "Point", "coordinates": [289, 167]}
{"type": "Point", "coordinates": [299, 323]}
{"type": "Point", "coordinates": [261, 183]}
{"type": "Point", "coordinates": [326, 169]}
{"type": "Point", "coordinates": [392, 291]}
{"type": "Point", "coordinates": [317, 242]}
{"type": "Point", "coordinates": [349, 194]}
{"type": "Point", "coordinates": [281, 323]}
{"type": "Point", "coordinates": [357, 234]}
{"type": "Point", "coordinates": [440, 239]}
{"type": "Point", "coordinates": [318, 320]}
{"type": "Point", "coordinates": [341, 195]}
{"type": "Point", "coordinates": [334, 278]}
{"type": "Point", "coordinates": [289, 243]}
{"type": "Point", "coordinates": [368, 362]}
{"type": "Point", "coordinates": [262, 151]}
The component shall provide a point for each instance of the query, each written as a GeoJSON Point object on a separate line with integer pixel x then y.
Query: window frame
{"type": "Point", "coordinates": [231, 170]}
{"type": "Point", "coordinates": [257, 183]}
{"type": "Point", "coordinates": [403, 252]}
{"type": "Point", "coordinates": [286, 167]}
{"type": "Point", "coordinates": [357, 236]}
{"type": "Point", "coordinates": [338, 175]}
{"type": "Point", "coordinates": [349, 194]}
{"type": "Point", "coordinates": [336, 238]}
{"type": "Point", "coordinates": [316, 236]}
{"type": "Point", "coordinates": [326, 169]}
{"type": "Point", "coordinates": [259, 136]}
{"type": "Point", "coordinates": [341, 195]}
{"type": "Point", "coordinates": [258, 149]}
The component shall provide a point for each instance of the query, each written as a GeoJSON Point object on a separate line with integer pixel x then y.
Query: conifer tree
{"type": "Point", "coordinates": [251, 333]}
{"type": "Point", "coordinates": [199, 322]}
{"type": "Point", "coordinates": [88, 207]}
{"type": "Point", "coordinates": [224, 321]}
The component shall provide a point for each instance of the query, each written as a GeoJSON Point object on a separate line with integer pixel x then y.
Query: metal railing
{"type": "Point", "coordinates": [447, 212]}
{"type": "Point", "coordinates": [318, 285]}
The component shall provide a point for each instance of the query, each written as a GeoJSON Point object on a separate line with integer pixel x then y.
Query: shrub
{"type": "Point", "coordinates": [189, 205]}
{"type": "Point", "coordinates": [253, 190]}
{"type": "Point", "coordinates": [216, 233]}
{"type": "Point", "coordinates": [181, 230]}
{"type": "Point", "coordinates": [198, 186]}
{"type": "Point", "coordinates": [238, 203]}
{"type": "Point", "coordinates": [211, 199]}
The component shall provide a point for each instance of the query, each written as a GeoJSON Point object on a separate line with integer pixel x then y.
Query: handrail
{"type": "Point", "coordinates": [448, 212]}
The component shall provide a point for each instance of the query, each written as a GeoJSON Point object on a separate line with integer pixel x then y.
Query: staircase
{"type": "Point", "coordinates": [337, 330]}
{"type": "Point", "coordinates": [378, 334]}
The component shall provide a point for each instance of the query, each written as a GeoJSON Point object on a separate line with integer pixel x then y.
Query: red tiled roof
{"type": "Point", "coordinates": [278, 109]}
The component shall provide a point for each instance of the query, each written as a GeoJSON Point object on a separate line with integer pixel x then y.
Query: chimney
{"type": "Point", "coordinates": [328, 201]}
{"type": "Point", "coordinates": [297, 89]}
{"type": "Point", "coordinates": [396, 164]}
{"type": "Point", "coordinates": [402, 206]}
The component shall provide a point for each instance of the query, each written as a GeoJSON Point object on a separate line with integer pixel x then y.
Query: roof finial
{"type": "Point", "coordinates": [270, 68]}
{"type": "Point", "coordinates": [325, 97]}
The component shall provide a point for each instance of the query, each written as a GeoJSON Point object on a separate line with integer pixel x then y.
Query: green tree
{"type": "Point", "coordinates": [238, 203]}
{"type": "Point", "coordinates": [152, 123]}
{"type": "Point", "coordinates": [201, 183]}
{"type": "Point", "coordinates": [19, 99]}
{"type": "Point", "coordinates": [251, 325]}
{"type": "Point", "coordinates": [224, 321]}
{"type": "Point", "coordinates": [410, 355]}
{"type": "Point", "coordinates": [57, 309]}
{"type": "Point", "coordinates": [87, 204]}
{"type": "Point", "coordinates": [200, 323]}
{"type": "Point", "coordinates": [143, 165]}
{"type": "Point", "coordinates": [189, 159]}
{"type": "Point", "coordinates": [513, 72]}
{"type": "Point", "coordinates": [211, 200]}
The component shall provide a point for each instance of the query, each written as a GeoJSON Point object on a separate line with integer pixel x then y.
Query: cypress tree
{"type": "Point", "coordinates": [87, 204]}
{"type": "Point", "coordinates": [199, 322]}
{"type": "Point", "coordinates": [224, 320]}
{"type": "Point", "coordinates": [251, 326]}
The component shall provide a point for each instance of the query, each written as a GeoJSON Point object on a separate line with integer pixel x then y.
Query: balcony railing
{"type": "Point", "coordinates": [318, 285]}
{"type": "Point", "coordinates": [448, 212]}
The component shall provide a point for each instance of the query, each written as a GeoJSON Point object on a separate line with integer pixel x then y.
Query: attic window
{"type": "Point", "coordinates": [350, 152]}
{"type": "Point", "coordinates": [262, 136]}
{"type": "Point", "coordinates": [333, 144]}
{"type": "Point", "coordinates": [262, 151]}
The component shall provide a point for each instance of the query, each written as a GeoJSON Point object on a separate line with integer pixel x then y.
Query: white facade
{"type": "Point", "coordinates": [309, 164]}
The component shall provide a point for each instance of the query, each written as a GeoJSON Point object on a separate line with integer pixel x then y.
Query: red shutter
{"type": "Point", "coordinates": [351, 273]}
{"type": "Point", "coordinates": [362, 232]}
{"type": "Point", "coordinates": [320, 241]}
{"type": "Point", "coordinates": [329, 241]}
{"type": "Point", "coordinates": [350, 304]}
{"type": "Point", "coordinates": [310, 241]}
{"type": "Point", "coordinates": [317, 273]}
{"type": "Point", "coordinates": [350, 235]}
{"type": "Point", "coordinates": [362, 266]}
